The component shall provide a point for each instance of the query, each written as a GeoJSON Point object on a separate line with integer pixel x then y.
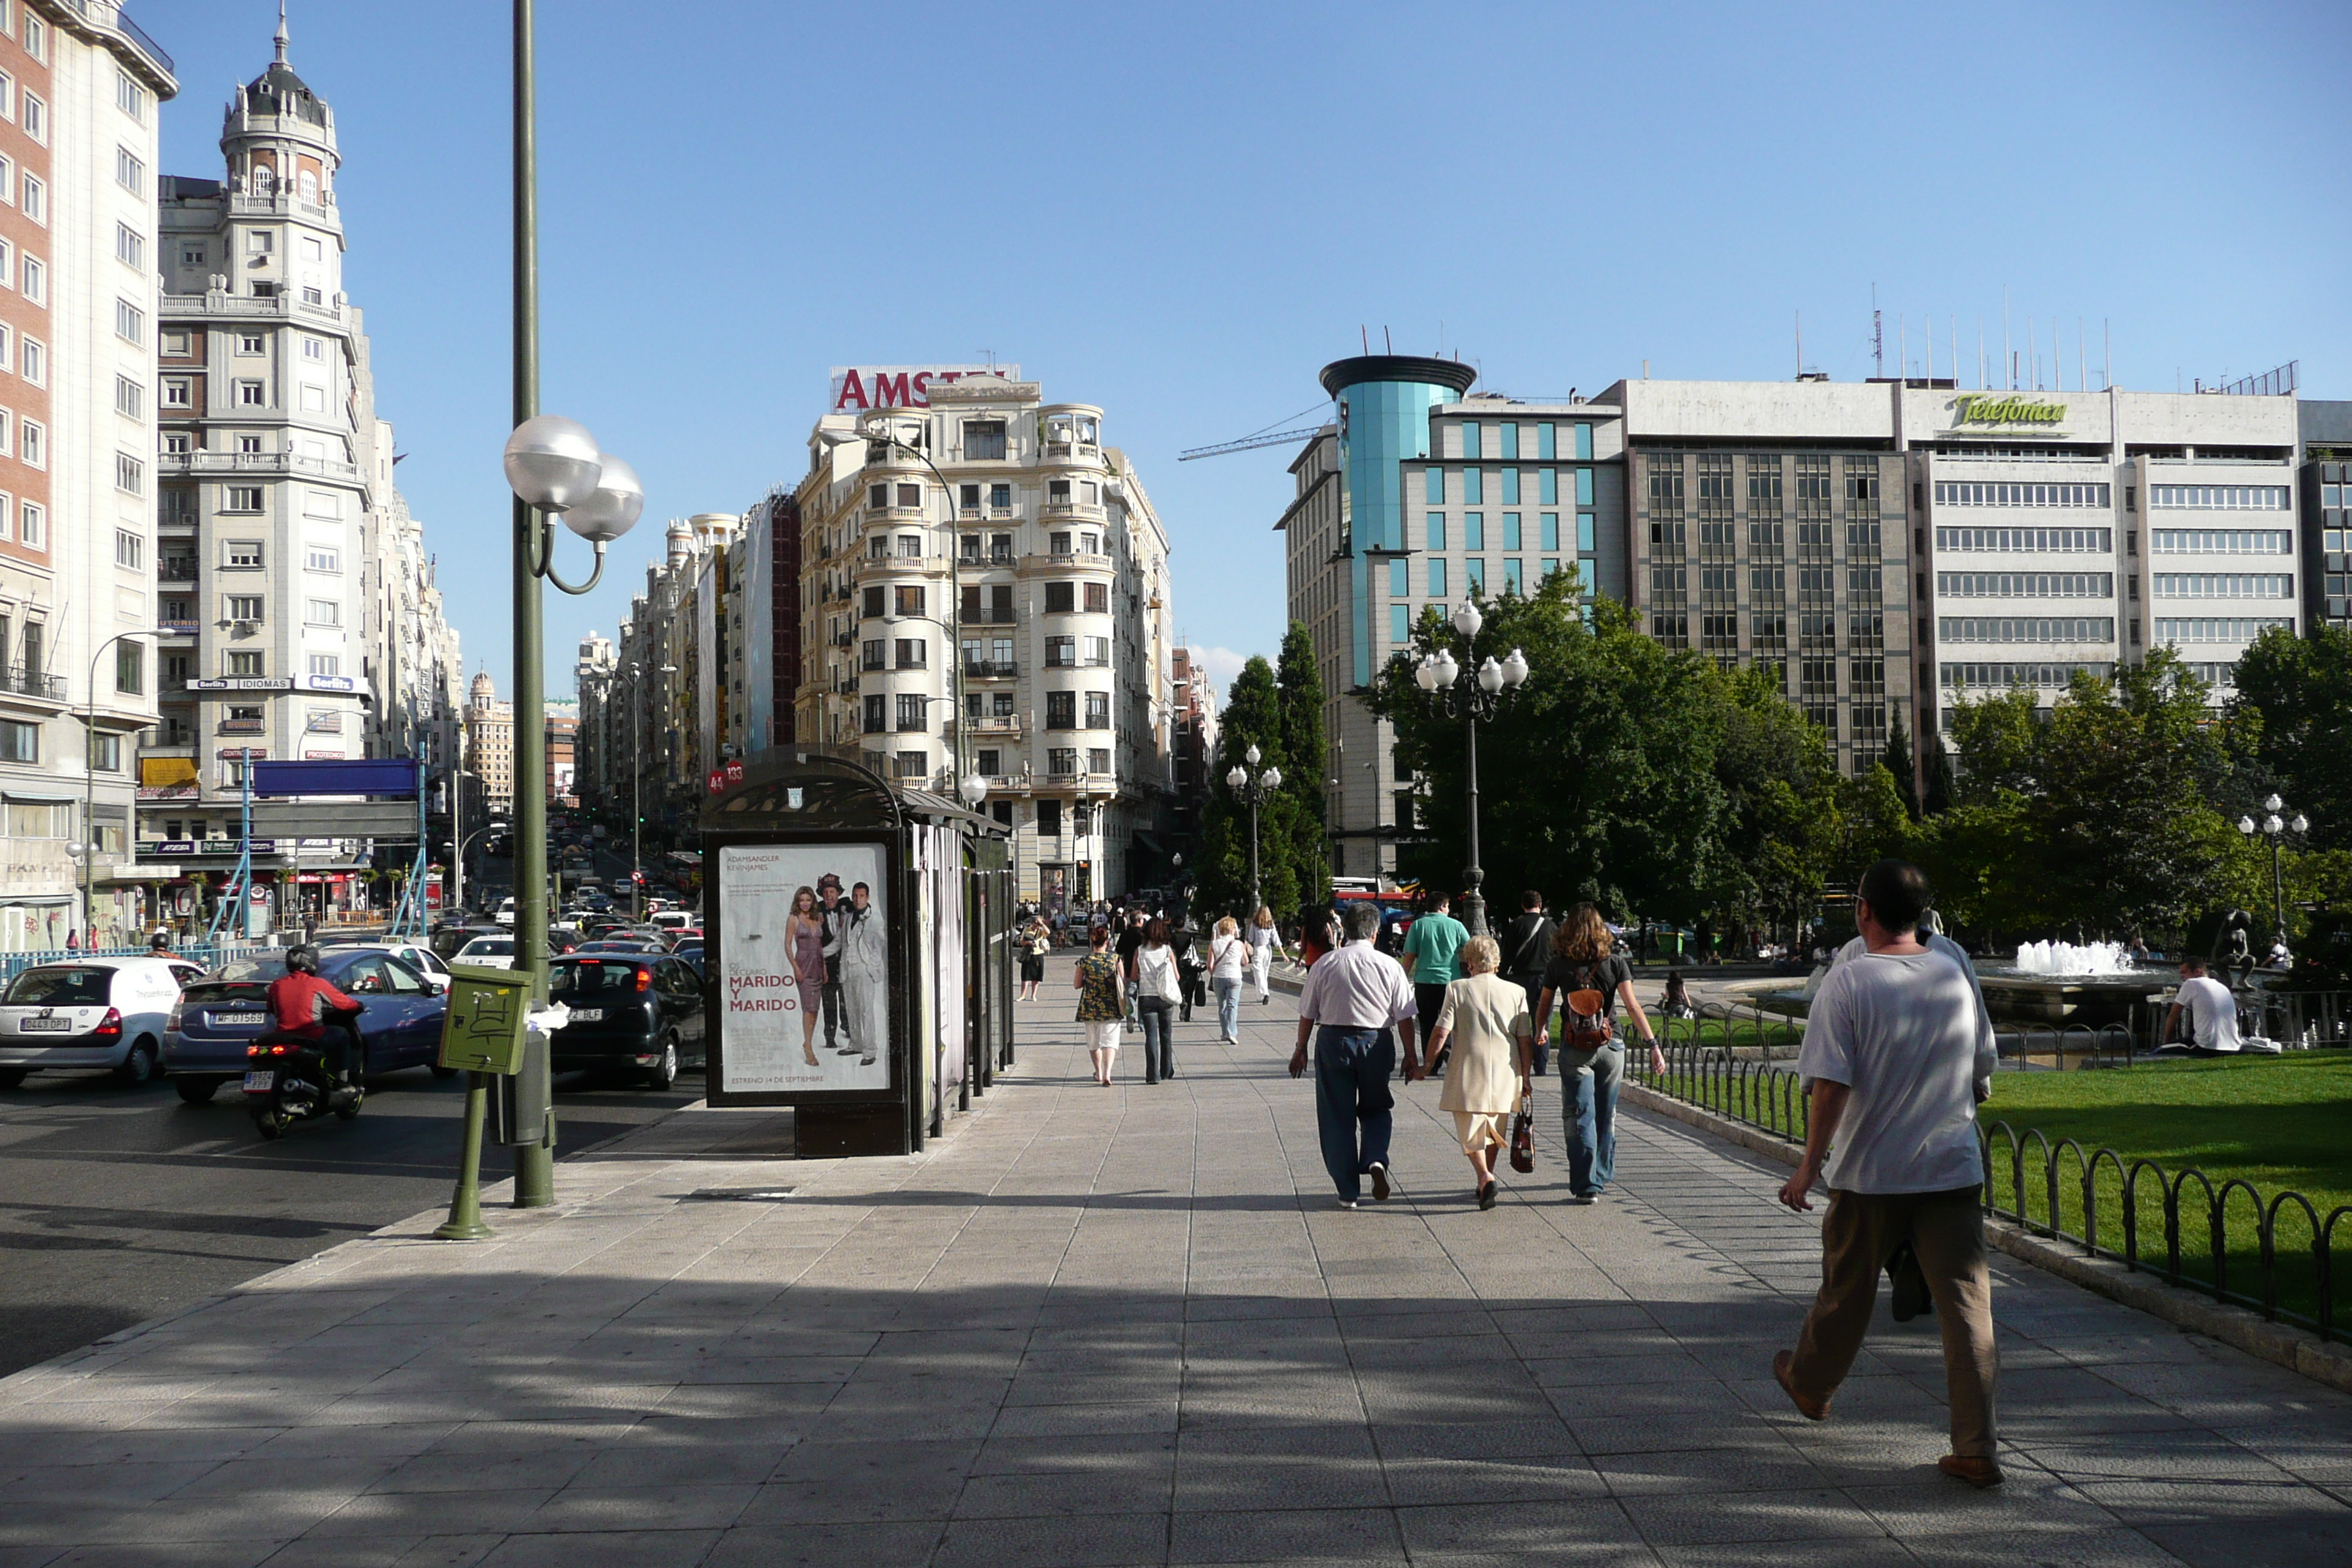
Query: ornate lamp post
{"type": "Point", "coordinates": [1253, 788]}
{"type": "Point", "coordinates": [1454, 693]}
{"type": "Point", "coordinates": [2275, 828]}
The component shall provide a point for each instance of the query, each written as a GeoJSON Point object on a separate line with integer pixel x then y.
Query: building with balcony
{"type": "Point", "coordinates": [298, 591]}
{"type": "Point", "coordinates": [490, 745]}
{"type": "Point", "coordinates": [979, 569]}
{"type": "Point", "coordinates": [80, 95]}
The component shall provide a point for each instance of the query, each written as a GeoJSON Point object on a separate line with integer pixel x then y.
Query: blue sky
{"type": "Point", "coordinates": [1181, 213]}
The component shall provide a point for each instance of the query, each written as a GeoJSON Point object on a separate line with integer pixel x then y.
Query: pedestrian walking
{"type": "Point", "coordinates": [1526, 945]}
{"type": "Point", "coordinates": [1185, 943]}
{"type": "Point", "coordinates": [1226, 953]}
{"type": "Point", "coordinates": [1317, 934]}
{"type": "Point", "coordinates": [1264, 941]}
{"type": "Point", "coordinates": [1100, 1003]}
{"type": "Point", "coordinates": [1156, 986]}
{"type": "Point", "coordinates": [1897, 1056]}
{"type": "Point", "coordinates": [1128, 924]}
{"type": "Point", "coordinates": [1351, 1001]}
{"type": "Point", "coordinates": [1587, 977]}
{"type": "Point", "coordinates": [1484, 1022]}
{"type": "Point", "coordinates": [1433, 952]}
{"type": "Point", "coordinates": [1036, 942]}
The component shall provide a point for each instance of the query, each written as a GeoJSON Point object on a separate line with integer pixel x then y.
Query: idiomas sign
{"type": "Point", "coordinates": [901, 385]}
{"type": "Point", "coordinates": [1978, 408]}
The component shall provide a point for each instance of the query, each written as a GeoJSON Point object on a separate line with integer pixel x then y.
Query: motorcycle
{"type": "Point", "coordinates": [287, 1079]}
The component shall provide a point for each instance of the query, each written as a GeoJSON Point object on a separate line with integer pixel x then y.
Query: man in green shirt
{"type": "Point", "coordinates": [1433, 958]}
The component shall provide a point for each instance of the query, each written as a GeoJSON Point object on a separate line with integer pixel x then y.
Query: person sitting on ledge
{"type": "Point", "coordinates": [2212, 1012]}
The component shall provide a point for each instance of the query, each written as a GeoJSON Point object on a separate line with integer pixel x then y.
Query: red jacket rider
{"type": "Point", "coordinates": [300, 1001]}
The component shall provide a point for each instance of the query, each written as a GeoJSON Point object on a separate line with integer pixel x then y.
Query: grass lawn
{"type": "Point", "coordinates": [2279, 1123]}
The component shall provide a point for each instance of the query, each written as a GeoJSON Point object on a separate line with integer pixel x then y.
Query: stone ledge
{"type": "Point", "coordinates": [2294, 1349]}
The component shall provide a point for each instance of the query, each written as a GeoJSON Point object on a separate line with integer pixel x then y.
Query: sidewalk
{"type": "Point", "coordinates": [1129, 1326]}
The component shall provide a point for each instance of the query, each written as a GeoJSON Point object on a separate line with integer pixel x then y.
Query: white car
{"type": "Point", "coordinates": [416, 954]}
{"type": "Point", "coordinates": [672, 920]}
{"type": "Point", "coordinates": [506, 916]}
{"type": "Point", "coordinates": [487, 952]}
{"type": "Point", "coordinates": [106, 1015]}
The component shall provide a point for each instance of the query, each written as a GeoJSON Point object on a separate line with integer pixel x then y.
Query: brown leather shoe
{"type": "Point", "coordinates": [1810, 1409]}
{"type": "Point", "coordinates": [1976, 1471]}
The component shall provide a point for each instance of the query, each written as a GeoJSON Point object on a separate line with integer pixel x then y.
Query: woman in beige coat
{"type": "Point", "coordinates": [1487, 1022]}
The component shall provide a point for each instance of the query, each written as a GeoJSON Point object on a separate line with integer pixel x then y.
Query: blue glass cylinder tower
{"type": "Point", "coordinates": [1384, 402]}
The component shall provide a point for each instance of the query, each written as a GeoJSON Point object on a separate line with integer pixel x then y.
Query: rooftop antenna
{"type": "Point", "coordinates": [281, 32]}
{"type": "Point", "coordinates": [1366, 333]}
{"type": "Point", "coordinates": [1877, 335]}
{"type": "Point", "coordinates": [1387, 345]}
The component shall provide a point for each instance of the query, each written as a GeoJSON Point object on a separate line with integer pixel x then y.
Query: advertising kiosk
{"type": "Point", "coordinates": [860, 954]}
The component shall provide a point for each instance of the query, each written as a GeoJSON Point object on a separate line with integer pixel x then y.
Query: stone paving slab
{"type": "Point", "coordinates": [1131, 1326]}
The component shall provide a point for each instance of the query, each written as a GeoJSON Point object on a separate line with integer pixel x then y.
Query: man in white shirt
{"type": "Point", "coordinates": [1355, 995]}
{"type": "Point", "coordinates": [2212, 1011]}
{"type": "Point", "coordinates": [1898, 1053]}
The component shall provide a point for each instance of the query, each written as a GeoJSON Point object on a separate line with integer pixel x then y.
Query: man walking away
{"type": "Point", "coordinates": [1526, 948]}
{"type": "Point", "coordinates": [2212, 1011]}
{"type": "Point", "coordinates": [1433, 957]}
{"type": "Point", "coordinates": [1899, 1055]}
{"type": "Point", "coordinates": [1352, 1000]}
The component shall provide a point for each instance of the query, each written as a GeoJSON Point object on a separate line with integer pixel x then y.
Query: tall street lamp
{"type": "Point", "coordinates": [1454, 694]}
{"type": "Point", "coordinates": [636, 788]}
{"type": "Point", "coordinates": [2275, 828]}
{"type": "Point", "coordinates": [1253, 788]}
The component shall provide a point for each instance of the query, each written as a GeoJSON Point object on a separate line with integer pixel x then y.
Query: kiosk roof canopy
{"type": "Point", "coordinates": [811, 790]}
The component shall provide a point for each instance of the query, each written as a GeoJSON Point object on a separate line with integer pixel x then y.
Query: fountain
{"type": "Point", "coordinates": [2063, 958]}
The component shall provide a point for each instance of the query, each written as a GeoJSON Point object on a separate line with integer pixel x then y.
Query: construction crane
{"type": "Point", "coordinates": [1269, 437]}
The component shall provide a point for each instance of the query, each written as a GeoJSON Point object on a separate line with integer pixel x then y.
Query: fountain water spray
{"type": "Point", "coordinates": [2064, 958]}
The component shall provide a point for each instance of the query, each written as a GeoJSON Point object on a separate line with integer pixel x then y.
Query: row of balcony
{"type": "Point", "coordinates": [254, 463]}
{"type": "Point", "coordinates": [1058, 561]}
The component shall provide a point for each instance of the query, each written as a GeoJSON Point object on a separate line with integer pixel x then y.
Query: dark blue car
{"type": "Point", "coordinates": [222, 1013]}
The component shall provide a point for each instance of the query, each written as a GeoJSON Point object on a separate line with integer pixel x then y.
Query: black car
{"type": "Point", "coordinates": [632, 1013]}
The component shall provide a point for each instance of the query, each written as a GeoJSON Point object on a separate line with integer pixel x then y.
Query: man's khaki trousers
{"type": "Point", "coordinates": [1947, 1233]}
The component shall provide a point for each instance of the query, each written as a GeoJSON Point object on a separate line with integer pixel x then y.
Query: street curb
{"type": "Point", "coordinates": [2242, 1328]}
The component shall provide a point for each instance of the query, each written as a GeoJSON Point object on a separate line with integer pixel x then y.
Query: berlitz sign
{"type": "Point", "coordinates": [1974, 408]}
{"type": "Point", "coordinates": [901, 385]}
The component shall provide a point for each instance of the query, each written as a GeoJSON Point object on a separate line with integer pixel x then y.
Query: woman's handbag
{"type": "Point", "coordinates": [1523, 1136]}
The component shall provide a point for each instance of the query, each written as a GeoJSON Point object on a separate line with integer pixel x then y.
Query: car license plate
{"type": "Point", "coordinates": [46, 1026]}
{"type": "Point", "coordinates": [260, 1082]}
{"type": "Point", "coordinates": [233, 1020]}
{"type": "Point", "coordinates": [587, 1015]}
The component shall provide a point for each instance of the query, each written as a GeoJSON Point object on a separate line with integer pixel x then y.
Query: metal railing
{"type": "Point", "coordinates": [2274, 1254]}
{"type": "Point", "coordinates": [210, 955]}
{"type": "Point", "coordinates": [27, 682]}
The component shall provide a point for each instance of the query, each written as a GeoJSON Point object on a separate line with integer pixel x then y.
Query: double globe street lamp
{"type": "Point", "coordinates": [1254, 787]}
{"type": "Point", "coordinates": [1455, 693]}
{"type": "Point", "coordinates": [2275, 828]}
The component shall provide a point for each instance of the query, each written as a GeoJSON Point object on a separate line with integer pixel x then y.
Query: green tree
{"type": "Point", "coordinates": [2293, 716]}
{"type": "Point", "coordinates": [1252, 717]}
{"type": "Point", "coordinates": [1783, 808]}
{"type": "Point", "coordinates": [1304, 845]}
{"type": "Point", "coordinates": [1597, 779]}
{"type": "Point", "coordinates": [1897, 761]}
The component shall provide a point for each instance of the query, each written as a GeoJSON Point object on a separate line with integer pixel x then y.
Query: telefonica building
{"type": "Point", "coordinates": [1888, 545]}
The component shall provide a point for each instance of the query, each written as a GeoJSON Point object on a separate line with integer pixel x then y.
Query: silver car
{"type": "Point", "coordinates": [103, 1014]}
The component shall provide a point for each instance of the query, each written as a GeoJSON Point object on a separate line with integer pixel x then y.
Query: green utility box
{"type": "Point", "coordinates": [482, 1030]}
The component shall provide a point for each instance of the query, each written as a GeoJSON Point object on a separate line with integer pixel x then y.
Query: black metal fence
{"type": "Point", "coordinates": [2274, 1254]}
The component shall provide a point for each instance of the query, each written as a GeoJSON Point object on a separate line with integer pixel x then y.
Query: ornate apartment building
{"type": "Point", "coordinates": [303, 615]}
{"type": "Point", "coordinates": [960, 539]}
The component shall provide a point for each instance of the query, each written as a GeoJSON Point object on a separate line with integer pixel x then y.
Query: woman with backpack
{"type": "Point", "coordinates": [1588, 978]}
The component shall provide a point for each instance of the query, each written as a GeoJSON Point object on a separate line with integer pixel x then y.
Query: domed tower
{"type": "Point", "coordinates": [484, 691]}
{"type": "Point", "coordinates": [286, 234]}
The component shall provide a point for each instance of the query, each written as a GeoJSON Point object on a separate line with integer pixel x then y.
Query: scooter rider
{"type": "Point", "coordinates": [301, 1002]}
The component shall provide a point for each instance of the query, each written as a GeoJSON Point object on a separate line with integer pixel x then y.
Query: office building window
{"type": "Point", "coordinates": [1097, 709]}
{"type": "Point", "coordinates": [322, 613]}
{"type": "Point", "coordinates": [908, 600]}
{"type": "Point", "coordinates": [1510, 435]}
{"type": "Point", "coordinates": [1097, 654]}
{"type": "Point", "coordinates": [33, 360]}
{"type": "Point", "coordinates": [1584, 443]}
{"type": "Point", "coordinates": [913, 653]}
{"type": "Point", "coordinates": [130, 549]}
{"type": "Point", "coordinates": [1437, 578]}
{"type": "Point", "coordinates": [1510, 486]}
{"type": "Point", "coordinates": [2028, 628]}
{"type": "Point", "coordinates": [1474, 574]}
{"type": "Point", "coordinates": [21, 743]}
{"type": "Point", "coordinates": [1510, 577]}
{"type": "Point", "coordinates": [1474, 530]}
{"type": "Point", "coordinates": [130, 322]}
{"type": "Point", "coordinates": [1400, 577]}
{"type": "Point", "coordinates": [243, 498]}
{"type": "Point", "coordinates": [242, 606]}
{"type": "Point", "coordinates": [129, 247]}
{"type": "Point", "coordinates": [1432, 486]}
{"type": "Point", "coordinates": [1546, 441]}
{"type": "Point", "coordinates": [243, 664]}
{"type": "Point", "coordinates": [1474, 486]}
{"type": "Point", "coordinates": [129, 667]}
{"type": "Point", "coordinates": [1472, 447]}
{"type": "Point", "coordinates": [1548, 531]}
{"type": "Point", "coordinates": [1510, 531]}
{"type": "Point", "coordinates": [876, 714]}
{"type": "Point", "coordinates": [999, 499]}
{"type": "Point", "coordinates": [1098, 598]}
{"type": "Point", "coordinates": [32, 525]}
{"type": "Point", "coordinates": [1434, 525]}
{"type": "Point", "coordinates": [2225, 584]}
{"type": "Point", "coordinates": [1061, 709]}
{"type": "Point", "coordinates": [1584, 487]}
{"type": "Point", "coordinates": [2223, 540]}
{"type": "Point", "coordinates": [130, 474]}
{"type": "Point", "coordinates": [872, 654]}
{"type": "Point", "coordinates": [1399, 624]}
{"type": "Point", "coordinates": [326, 664]}
{"type": "Point", "coordinates": [1062, 652]}
{"type": "Point", "coordinates": [1956, 493]}
{"type": "Point", "coordinates": [130, 398]}
{"type": "Point", "coordinates": [2027, 584]}
{"type": "Point", "coordinates": [1061, 598]}
{"type": "Point", "coordinates": [910, 707]}
{"type": "Point", "coordinates": [322, 558]}
{"type": "Point", "coordinates": [1547, 487]}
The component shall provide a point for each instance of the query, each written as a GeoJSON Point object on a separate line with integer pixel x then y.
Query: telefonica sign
{"type": "Point", "coordinates": [901, 385]}
{"type": "Point", "coordinates": [1975, 408]}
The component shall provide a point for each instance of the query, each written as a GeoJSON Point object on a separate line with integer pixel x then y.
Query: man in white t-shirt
{"type": "Point", "coordinates": [1898, 1053]}
{"type": "Point", "coordinates": [2212, 1011]}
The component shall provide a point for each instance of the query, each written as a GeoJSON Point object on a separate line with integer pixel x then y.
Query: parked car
{"type": "Point", "coordinates": [506, 915]}
{"type": "Point", "coordinates": [223, 1011]}
{"type": "Point", "coordinates": [690, 954]}
{"type": "Point", "coordinates": [487, 952]}
{"type": "Point", "coordinates": [631, 1013]}
{"type": "Point", "coordinates": [104, 1015]}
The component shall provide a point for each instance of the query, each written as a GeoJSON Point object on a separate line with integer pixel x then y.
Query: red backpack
{"type": "Point", "coordinates": [1584, 1016]}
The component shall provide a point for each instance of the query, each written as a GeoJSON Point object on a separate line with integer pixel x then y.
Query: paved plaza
{"type": "Point", "coordinates": [1131, 1326]}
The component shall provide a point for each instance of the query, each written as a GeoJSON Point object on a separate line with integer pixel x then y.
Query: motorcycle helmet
{"type": "Point", "coordinates": [302, 959]}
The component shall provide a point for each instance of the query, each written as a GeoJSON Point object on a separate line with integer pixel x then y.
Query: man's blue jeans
{"type": "Point", "coordinates": [1352, 1086]}
{"type": "Point", "coordinates": [1589, 1082]}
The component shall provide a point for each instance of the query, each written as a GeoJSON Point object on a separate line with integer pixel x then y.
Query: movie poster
{"type": "Point", "coordinates": [804, 968]}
